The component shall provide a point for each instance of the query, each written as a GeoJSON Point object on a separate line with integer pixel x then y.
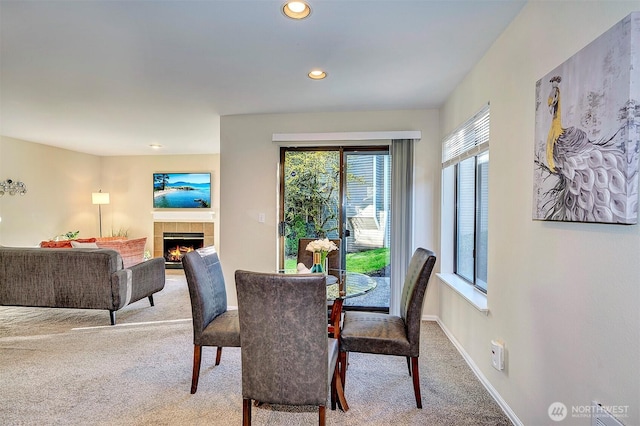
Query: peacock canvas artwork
{"type": "Point", "coordinates": [587, 132]}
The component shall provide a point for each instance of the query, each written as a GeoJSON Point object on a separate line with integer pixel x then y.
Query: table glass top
{"type": "Point", "coordinates": [352, 284]}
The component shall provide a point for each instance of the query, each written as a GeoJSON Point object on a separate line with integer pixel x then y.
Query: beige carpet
{"type": "Point", "coordinates": [70, 367]}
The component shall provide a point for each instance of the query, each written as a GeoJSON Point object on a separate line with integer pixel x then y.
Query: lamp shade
{"type": "Point", "coordinates": [100, 197]}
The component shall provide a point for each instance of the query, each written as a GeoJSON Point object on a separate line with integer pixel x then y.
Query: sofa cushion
{"type": "Point", "coordinates": [65, 243]}
{"type": "Point", "coordinates": [132, 251]}
{"type": "Point", "coordinates": [78, 244]}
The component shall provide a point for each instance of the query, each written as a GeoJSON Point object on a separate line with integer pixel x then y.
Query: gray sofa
{"type": "Point", "coordinates": [76, 278]}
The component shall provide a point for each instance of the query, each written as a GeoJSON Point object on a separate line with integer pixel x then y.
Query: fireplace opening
{"type": "Point", "coordinates": [177, 244]}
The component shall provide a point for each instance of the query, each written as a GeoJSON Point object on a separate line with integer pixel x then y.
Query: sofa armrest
{"type": "Point", "coordinates": [138, 281]}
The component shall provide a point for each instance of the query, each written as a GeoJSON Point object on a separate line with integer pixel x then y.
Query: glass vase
{"type": "Point", "coordinates": [325, 262]}
{"type": "Point", "coordinates": [317, 263]}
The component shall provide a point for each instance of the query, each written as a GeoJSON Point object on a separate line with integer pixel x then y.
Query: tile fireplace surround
{"type": "Point", "coordinates": [159, 228]}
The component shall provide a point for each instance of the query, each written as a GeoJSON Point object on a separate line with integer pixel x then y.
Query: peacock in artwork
{"type": "Point", "coordinates": [594, 180]}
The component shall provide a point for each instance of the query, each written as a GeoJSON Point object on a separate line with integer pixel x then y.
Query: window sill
{"type": "Point", "coordinates": [468, 292]}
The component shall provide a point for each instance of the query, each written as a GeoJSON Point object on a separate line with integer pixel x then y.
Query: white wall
{"type": "Point", "coordinates": [249, 180]}
{"type": "Point", "coordinates": [59, 184]}
{"type": "Point", "coordinates": [564, 297]}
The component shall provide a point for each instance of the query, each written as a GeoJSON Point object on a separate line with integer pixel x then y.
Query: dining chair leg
{"type": "Point", "coordinates": [409, 365]}
{"type": "Point", "coordinates": [246, 411]}
{"type": "Point", "coordinates": [218, 355]}
{"type": "Point", "coordinates": [321, 415]}
{"type": "Point", "coordinates": [343, 367]}
{"type": "Point", "coordinates": [333, 389]}
{"type": "Point", "coordinates": [416, 380]}
{"type": "Point", "coordinates": [342, 401]}
{"type": "Point", "coordinates": [197, 353]}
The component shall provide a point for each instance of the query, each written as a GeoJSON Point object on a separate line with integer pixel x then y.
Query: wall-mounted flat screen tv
{"type": "Point", "coordinates": [181, 190]}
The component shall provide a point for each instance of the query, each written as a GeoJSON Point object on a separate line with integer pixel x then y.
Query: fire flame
{"type": "Point", "coordinates": [176, 254]}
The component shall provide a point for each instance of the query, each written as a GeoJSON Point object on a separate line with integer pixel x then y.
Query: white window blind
{"type": "Point", "coordinates": [468, 140]}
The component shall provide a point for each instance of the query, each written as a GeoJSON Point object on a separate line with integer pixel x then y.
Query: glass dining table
{"type": "Point", "coordinates": [343, 284]}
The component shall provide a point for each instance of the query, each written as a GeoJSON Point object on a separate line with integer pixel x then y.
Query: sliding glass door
{"type": "Point", "coordinates": [367, 216]}
{"type": "Point", "coordinates": [340, 193]}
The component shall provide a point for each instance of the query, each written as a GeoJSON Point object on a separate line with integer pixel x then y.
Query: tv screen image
{"type": "Point", "coordinates": [181, 190]}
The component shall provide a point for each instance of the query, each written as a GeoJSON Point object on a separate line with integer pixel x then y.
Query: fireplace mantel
{"type": "Point", "coordinates": [182, 216]}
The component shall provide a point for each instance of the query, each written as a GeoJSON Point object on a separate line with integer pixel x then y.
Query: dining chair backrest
{"type": "Point", "coordinates": [283, 331]}
{"type": "Point", "coordinates": [413, 292]}
{"type": "Point", "coordinates": [206, 287]}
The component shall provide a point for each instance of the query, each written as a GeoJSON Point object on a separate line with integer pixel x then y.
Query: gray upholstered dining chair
{"type": "Point", "coordinates": [213, 324]}
{"type": "Point", "coordinates": [287, 358]}
{"type": "Point", "coordinates": [385, 334]}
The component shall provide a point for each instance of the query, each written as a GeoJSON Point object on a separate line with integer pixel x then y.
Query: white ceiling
{"type": "Point", "coordinates": [110, 77]}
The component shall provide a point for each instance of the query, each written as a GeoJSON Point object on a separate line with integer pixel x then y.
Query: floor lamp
{"type": "Point", "coordinates": [100, 198]}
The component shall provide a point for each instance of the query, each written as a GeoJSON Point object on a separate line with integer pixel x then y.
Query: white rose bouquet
{"type": "Point", "coordinates": [323, 247]}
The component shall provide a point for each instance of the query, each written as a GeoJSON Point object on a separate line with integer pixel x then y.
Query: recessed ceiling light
{"type": "Point", "coordinates": [296, 9]}
{"type": "Point", "coordinates": [155, 146]}
{"type": "Point", "coordinates": [317, 74]}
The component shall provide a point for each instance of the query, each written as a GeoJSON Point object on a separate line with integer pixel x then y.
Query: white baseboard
{"type": "Point", "coordinates": [485, 382]}
{"type": "Point", "coordinates": [430, 318]}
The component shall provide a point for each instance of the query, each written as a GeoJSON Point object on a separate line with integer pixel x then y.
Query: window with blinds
{"type": "Point", "coordinates": [468, 140]}
{"type": "Point", "coordinates": [466, 150]}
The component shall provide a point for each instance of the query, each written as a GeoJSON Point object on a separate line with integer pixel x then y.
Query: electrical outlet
{"type": "Point", "coordinates": [261, 217]}
{"type": "Point", "coordinates": [497, 355]}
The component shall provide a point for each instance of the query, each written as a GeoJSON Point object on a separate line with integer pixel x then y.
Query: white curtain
{"type": "Point", "coordinates": [401, 217]}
